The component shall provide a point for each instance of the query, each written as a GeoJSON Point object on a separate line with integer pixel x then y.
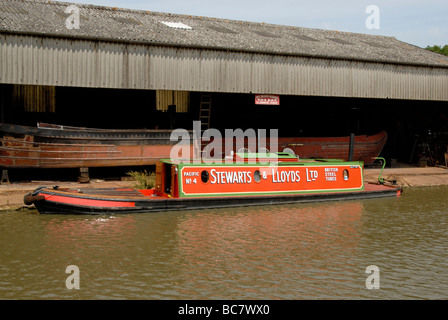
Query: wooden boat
{"type": "Point", "coordinates": [366, 147]}
{"type": "Point", "coordinates": [249, 179]}
{"type": "Point", "coordinates": [56, 146]}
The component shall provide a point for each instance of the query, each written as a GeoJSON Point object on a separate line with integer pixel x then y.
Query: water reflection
{"type": "Point", "coordinates": [303, 251]}
{"type": "Point", "coordinates": [76, 232]}
{"type": "Point", "coordinates": [272, 248]}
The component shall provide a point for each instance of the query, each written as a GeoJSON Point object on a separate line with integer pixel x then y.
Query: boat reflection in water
{"type": "Point", "coordinates": [81, 235]}
{"type": "Point", "coordinates": [226, 233]}
{"type": "Point", "coordinates": [269, 252]}
{"type": "Point", "coordinates": [290, 251]}
{"type": "Point", "coordinates": [252, 249]}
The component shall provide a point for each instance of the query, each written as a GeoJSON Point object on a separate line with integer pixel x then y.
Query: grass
{"type": "Point", "coordinates": [143, 179]}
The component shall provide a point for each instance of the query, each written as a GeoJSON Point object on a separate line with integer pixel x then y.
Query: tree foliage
{"type": "Point", "coordinates": [439, 49]}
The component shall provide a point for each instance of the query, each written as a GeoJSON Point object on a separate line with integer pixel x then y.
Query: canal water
{"type": "Point", "coordinates": [303, 251]}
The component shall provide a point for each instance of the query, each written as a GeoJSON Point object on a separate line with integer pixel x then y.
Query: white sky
{"type": "Point", "coordinates": [418, 22]}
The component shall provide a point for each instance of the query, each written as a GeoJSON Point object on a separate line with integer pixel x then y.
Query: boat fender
{"type": "Point", "coordinates": [33, 197]}
{"type": "Point", "coordinates": [29, 199]}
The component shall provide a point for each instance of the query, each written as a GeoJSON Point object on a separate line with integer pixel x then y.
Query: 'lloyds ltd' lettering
{"type": "Point", "coordinates": [285, 176]}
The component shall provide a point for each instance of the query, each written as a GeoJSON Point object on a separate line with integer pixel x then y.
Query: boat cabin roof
{"type": "Point", "coordinates": [252, 156]}
{"type": "Point", "coordinates": [279, 158]}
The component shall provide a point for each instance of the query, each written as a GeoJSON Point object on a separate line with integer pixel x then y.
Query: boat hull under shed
{"type": "Point", "coordinates": [55, 146]}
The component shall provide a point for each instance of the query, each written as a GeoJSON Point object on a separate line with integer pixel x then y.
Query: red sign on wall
{"type": "Point", "coordinates": [267, 99]}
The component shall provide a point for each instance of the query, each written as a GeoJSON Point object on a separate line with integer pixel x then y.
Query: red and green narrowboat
{"type": "Point", "coordinates": [249, 179]}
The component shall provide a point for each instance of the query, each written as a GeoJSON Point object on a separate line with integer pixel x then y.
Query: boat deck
{"type": "Point", "coordinates": [135, 194]}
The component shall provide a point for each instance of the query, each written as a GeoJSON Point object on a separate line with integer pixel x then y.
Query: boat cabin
{"type": "Point", "coordinates": [257, 174]}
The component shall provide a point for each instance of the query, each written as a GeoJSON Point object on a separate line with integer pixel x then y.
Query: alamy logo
{"type": "Point", "coordinates": [213, 151]}
{"type": "Point", "coordinates": [373, 21]}
{"type": "Point", "coordinates": [373, 280]}
{"type": "Point", "coordinates": [72, 21]}
{"type": "Point", "coordinates": [72, 281]}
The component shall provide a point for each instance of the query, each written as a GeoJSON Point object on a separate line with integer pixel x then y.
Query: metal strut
{"type": "Point", "coordinates": [380, 179]}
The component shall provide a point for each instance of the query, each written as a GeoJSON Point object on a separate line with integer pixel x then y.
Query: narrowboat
{"type": "Point", "coordinates": [244, 180]}
{"type": "Point", "coordinates": [58, 146]}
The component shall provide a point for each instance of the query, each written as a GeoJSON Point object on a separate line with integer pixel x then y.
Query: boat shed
{"type": "Point", "coordinates": [109, 67]}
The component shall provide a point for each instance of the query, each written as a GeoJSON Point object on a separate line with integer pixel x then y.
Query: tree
{"type": "Point", "coordinates": [438, 49]}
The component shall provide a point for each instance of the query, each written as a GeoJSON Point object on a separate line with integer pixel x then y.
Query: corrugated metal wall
{"type": "Point", "coordinates": [181, 99]}
{"type": "Point", "coordinates": [34, 98]}
{"type": "Point", "coordinates": [81, 63]}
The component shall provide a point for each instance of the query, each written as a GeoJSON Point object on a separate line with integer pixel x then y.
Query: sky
{"type": "Point", "coordinates": [419, 22]}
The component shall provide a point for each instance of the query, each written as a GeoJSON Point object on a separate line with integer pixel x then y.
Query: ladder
{"type": "Point", "coordinates": [204, 116]}
{"type": "Point", "coordinates": [204, 111]}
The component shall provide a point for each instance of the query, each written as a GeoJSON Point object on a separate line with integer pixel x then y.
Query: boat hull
{"type": "Point", "coordinates": [70, 147]}
{"type": "Point", "coordinates": [366, 147]}
{"type": "Point", "coordinates": [50, 201]}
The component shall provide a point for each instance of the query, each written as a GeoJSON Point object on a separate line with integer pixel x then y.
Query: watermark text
{"type": "Point", "coordinates": [373, 280]}
{"type": "Point", "coordinates": [72, 21]}
{"type": "Point", "coordinates": [72, 281]}
{"type": "Point", "coordinates": [373, 20]}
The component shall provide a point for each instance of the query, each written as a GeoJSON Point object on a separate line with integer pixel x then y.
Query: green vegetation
{"type": "Point", "coordinates": [143, 179]}
{"type": "Point", "coordinates": [438, 49]}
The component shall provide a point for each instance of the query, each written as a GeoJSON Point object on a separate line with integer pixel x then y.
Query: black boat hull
{"type": "Point", "coordinates": [126, 206]}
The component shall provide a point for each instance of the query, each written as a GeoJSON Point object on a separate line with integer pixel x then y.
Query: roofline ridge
{"type": "Point", "coordinates": [180, 15]}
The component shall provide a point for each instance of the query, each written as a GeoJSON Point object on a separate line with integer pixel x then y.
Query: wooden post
{"type": "Point", "coordinates": [172, 115]}
{"type": "Point", "coordinates": [5, 177]}
{"type": "Point", "coordinates": [352, 147]}
{"type": "Point", "coordinates": [83, 175]}
{"type": "Point", "coordinates": [2, 104]}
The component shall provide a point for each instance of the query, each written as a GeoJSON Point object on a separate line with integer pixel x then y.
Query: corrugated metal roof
{"type": "Point", "coordinates": [115, 24]}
